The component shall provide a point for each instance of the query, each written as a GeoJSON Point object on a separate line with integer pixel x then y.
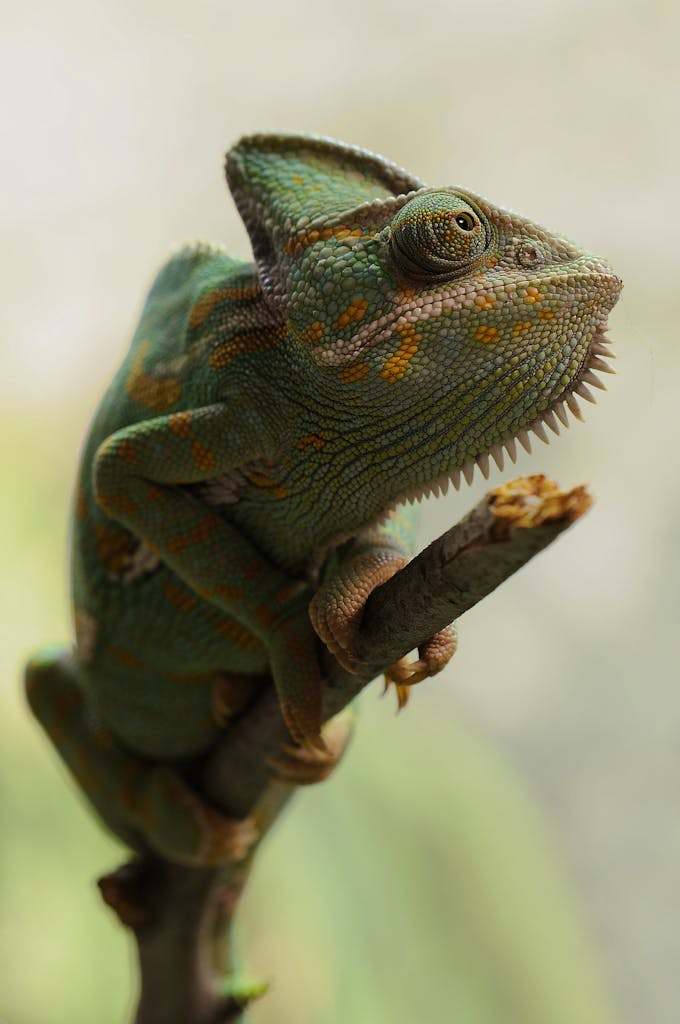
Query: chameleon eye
{"type": "Point", "coordinates": [438, 234]}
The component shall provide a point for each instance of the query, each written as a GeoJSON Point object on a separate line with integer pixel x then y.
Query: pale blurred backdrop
{"type": "Point", "coordinates": [513, 838]}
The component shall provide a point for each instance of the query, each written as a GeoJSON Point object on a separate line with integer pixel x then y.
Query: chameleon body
{"type": "Point", "coordinates": [239, 493]}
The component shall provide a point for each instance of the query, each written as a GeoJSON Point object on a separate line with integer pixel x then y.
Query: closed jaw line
{"type": "Point", "coordinates": [554, 417]}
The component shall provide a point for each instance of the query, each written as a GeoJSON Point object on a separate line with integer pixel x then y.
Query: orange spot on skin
{"type": "Point", "coordinates": [157, 394]}
{"type": "Point", "coordinates": [487, 300]}
{"type": "Point", "coordinates": [203, 458]}
{"type": "Point", "coordinates": [521, 325]}
{"type": "Point", "coordinates": [295, 648]}
{"type": "Point", "coordinates": [313, 333]}
{"type": "Point", "coordinates": [115, 547]}
{"type": "Point", "coordinates": [154, 492]}
{"type": "Point", "coordinates": [351, 374]}
{"type": "Point", "coordinates": [123, 657]}
{"type": "Point", "coordinates": [126, 451]}
{"type": "Point", "coordinates": [486, 334]}
{"type": "Point", "coordinates": [396, 366]}
{"type": "Point", "coordinates": [196, 535]}
{"type": "Point", "coordinates": [545, 314]}
{"type": "Point", "coordinates": [312, 235]}
{"type": "Point", "coordinates": [315, 441]}
{"type": "Point", "coordinates": [225, 593]}
{"type": "Point", "coordinates": [237, 634]}
{"type": "Point", "coordinates": [202, 309]}
{"type": "Point", "coordinates": [492, 262]}
{"type": "Point", "coordinates": [355, 312]}
{"type": "Point", "coordinates": [179, 598]}
{"type": "Point", "coordinates": [180, 423]}
{"type": "Point", "coordinates": [287, 593]}
{"type": "Point", "coordinates": [532, 295]}
{"type": "Point", "coordinates": [243, 344]}
{"type": "Point", "coordinates": [118, 503]}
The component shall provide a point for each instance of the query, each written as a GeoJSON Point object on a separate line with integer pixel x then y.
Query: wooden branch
{"type": "Point", "coordinates": [181, 916]}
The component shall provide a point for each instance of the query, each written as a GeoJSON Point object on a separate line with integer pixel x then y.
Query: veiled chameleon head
{"type": "Point", "coordinates": [435, 326]}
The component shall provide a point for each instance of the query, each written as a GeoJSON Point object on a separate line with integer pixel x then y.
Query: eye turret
{"type": "Point", "coordinates": [438, 234]}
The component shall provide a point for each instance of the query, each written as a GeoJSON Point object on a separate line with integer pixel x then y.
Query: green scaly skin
{"type": "Point", "coordinates": [258, 438]}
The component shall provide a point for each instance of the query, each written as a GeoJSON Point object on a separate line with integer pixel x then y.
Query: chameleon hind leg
{"type": "Point", "coordinates": [146, 803]}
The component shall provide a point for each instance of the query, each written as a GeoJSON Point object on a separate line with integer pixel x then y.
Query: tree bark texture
{"type": "Point", "coordinates": [181, 917]}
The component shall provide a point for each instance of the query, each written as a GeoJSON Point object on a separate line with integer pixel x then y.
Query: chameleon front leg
{"type": "Point", "coordinates": [138, 475]}
{"type": "Point", "coordinates": [353, 573]}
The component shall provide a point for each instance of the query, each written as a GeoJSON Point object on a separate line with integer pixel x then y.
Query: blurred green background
{"type": "Point", "coordinates": [508, 849]}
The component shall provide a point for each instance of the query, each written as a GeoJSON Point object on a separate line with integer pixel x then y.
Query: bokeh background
{"type": "Point", "coordinates": [507, 850]}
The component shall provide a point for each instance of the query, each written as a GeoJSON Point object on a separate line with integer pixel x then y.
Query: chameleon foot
{"type": "Point", "coordinates": [146, 803]}
{"type": "Point", "coordinates": [305, 766]}
{"type": "Point", "coordinates": [434, 654]}
{"type": "Point", "coordinates": [337, 606]}
{"type": "Point", "coordinates": [199, 835]}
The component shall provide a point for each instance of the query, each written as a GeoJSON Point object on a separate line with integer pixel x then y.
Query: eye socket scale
{"type": "Point", "coordinates": [438, 234]}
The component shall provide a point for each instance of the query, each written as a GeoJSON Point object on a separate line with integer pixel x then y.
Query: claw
{"type": "Point", "coordinates": [402, 690]}
{"type": "Point", "coordinates": [307, 765]}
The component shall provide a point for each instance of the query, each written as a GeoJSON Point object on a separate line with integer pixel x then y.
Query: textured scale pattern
{"type": "Point", "coordinates": [239, 492]}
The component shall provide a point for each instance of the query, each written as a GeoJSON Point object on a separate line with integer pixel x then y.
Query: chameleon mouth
{"type": "Point", "coordinates": [554, 417]}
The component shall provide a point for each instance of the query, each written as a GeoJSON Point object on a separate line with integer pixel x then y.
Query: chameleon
{"type": "Point", "coordinates": [253, 470]}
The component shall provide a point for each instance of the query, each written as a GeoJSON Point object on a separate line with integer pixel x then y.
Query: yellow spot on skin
{"type": "Point", "coordinates": [154, 393]}
{"type": "Point", "coordinates": [180, 423]}
{"type": "Point", "coordinates": [354, 373]}
{"type": "Point", "coordinates": [352, 315]}
{"type": "Point", "coordinates": [315, 441]}
{"type": "Point", "coordinates": [546, 314]}
{"type": "Point", "coordinates": [265, 483]}
{"type": "Point", "coordinates": [203, 458]}
{"type": "Point", "coordinates": [202, 309]}
{"type": "Point", "coordinates": [486, 334]}
{"type": "Point", "coordinates": [521, 325]}
{"type": "Point", "coordinates": [242, 344]}
{"type": "Point", "coordinates": [487, 300]}
{"type": "Point", "coordinates": [313, 333]}
{"type": "Point", "coordinates": [312, 235]}
{"type": "Point", "coordinates": [396, 366]}
{"type": "Point", "coordinates": [532, 295]}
